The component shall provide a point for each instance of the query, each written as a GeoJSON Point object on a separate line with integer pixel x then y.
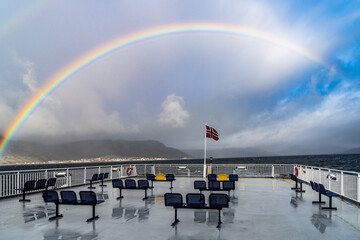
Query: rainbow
{"type": "Point", "coordinates": [136, 37]}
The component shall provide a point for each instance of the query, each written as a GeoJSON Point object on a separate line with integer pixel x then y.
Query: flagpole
{"type": "Point", "coordinates": [204, 175]}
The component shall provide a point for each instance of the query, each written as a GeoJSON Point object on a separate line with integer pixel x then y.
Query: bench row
{"type": "Point", "coordinates": [33, 185]}
{"type": "Point", "coordinates": [223, 177]}
{"type": "Point", "coordinates": [214, 185]}
{"type": "Point", "coordinates": [130, 184]}
{"type": "Point", "coordinates": [217, 201]}
{"type": "Point", "coordinates": [161, 178]}
{"type": "Point", "coordinates": [318, 187]}
{"type": "Point", "coordinates": [98, 177]}
{"type": "Point", "coordinates": [69, 198]}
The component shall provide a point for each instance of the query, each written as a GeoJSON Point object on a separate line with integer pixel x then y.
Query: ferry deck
{"type": "Point", "coordinates": [259, 208]}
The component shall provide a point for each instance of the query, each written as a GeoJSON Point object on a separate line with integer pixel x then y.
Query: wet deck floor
{"type": "Point", "coordinates": [259, 209]}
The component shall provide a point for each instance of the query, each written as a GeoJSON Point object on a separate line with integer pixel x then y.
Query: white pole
{"type": "Point", "coordinates": [204, 175]}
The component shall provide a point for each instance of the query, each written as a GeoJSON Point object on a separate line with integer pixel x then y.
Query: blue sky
{"type": "Point", "coordinates": [256, 94]}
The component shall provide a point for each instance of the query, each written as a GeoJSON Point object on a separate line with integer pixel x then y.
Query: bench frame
{"type": "Point", "coordinates": [78, 203]}
{"type": "Point", "coordinates": [184, 206]}
{"type": "Point", "coordinates": [131, 188]}
{"type": "Point", "coordinates": [152, 178]}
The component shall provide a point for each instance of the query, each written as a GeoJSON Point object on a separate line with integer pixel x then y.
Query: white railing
{"type": "Point", "coordinates": [344, 183]}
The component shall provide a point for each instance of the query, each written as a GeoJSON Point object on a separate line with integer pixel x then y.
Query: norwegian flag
{"type": "Point", "coordinates": [211, 133]}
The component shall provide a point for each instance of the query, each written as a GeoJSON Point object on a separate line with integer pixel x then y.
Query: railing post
{"type": "Point", "coordinates": [358, 188]}
{"type": "Point", "coordinates": [312, 173]}
{"type": "Point", "coordinates": [99, 170]}
{"type": "Point", "coordinates": [320, 176]}
{"type": "Point", "coordinates": [329, 180]}
{"type": "Point", "coordinates": [342, 183]}
{"type": "Point", "coordinates": [111, 172]}
{"type": "Point", "coordinates": [121, 171]}
{"type": "Point", "coordinates": [135, 170]}
{"type": "Point", "coordinates": [46, 174]}
{"type": "Point", "coordinates": [272, 171]}
{"type": "Point", "coordinates": [84, 175]}
{"type": "Point", "coordinates": [18, 180]}
{"type": "Point", "coordinates": [67, 177]}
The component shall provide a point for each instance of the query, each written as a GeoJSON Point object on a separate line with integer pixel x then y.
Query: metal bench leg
{"type": "Point", "coordinates": [296, 186]}
{"type": "Point", "coordinates": [300, 190]}
{"type": "Point", "coordinates": [121, 196]}
{"type": "Point", "coordinates": [146, 197]}
{"type": "Point", "coordinates": [91, 187]}
{"type": "Point", "coordinates": [318, 202]}
{"type": "Point", "coordinates": [93, 215]}
{"type": "Point", "coordinates": [219, 223]}
{"type": "Point", "coordinates": [57, 213]}
{"type": "Point", "coordinates": [23, 198]}
{"type": "Point", "coordinates": [171, 186]}
{"type": "Point", "coordinates": [102, 183]}
{"type": "Point", "coordinates": [176, 219]}
{"type": "Point", "coordinates": [330, 205]}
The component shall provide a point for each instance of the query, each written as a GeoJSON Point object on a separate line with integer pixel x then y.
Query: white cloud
{"type": "Point", "coordinates": [29, 77]}
{"type": "Point", "coordinates": [173, 113]}
{"type": "Point", "coordinates": [329, 124]}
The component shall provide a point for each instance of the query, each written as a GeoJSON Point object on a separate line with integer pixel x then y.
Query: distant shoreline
{"type": "Point", "coordinates": [346, 162]}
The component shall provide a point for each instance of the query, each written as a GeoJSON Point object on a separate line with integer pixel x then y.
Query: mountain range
{"type": "Point", "coordinates": [90, 149]}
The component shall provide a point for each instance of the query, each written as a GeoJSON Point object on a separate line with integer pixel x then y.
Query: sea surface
{"type": "Point", "coordinates": [346, 162]}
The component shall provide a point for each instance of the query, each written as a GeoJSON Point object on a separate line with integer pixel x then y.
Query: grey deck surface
{"type": "Point", "coordinates": [261, 209]}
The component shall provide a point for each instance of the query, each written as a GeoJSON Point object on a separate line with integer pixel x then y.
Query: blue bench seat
{"type": "Point", "coordinates": [329, 194]}
{"type": "Point", "coordinates": [168, 178]}
{"type": "Point", "coordinates": [297, 181]}
{"type": "Point", "coordinates": [217, 201]}
{"type": "Point", "coordinates": [214, 186]}
{"type": "Point", "coordinates": [130, 184]}
{"type": "Point", "coordinates": [69, 197]}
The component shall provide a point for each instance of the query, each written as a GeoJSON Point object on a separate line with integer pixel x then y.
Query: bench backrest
{"type": "Point", "coordinates": [170, 177]}
{"type": "Point", "coordinates": [212, 177]}
{"type": "Point", "coordinates": [130, 183]}
{"type": "Point", "coordinates": [219, 200]}
{"type": "Point", "coordinates": [195, 200]}
{"type": "Point", "coordinates": [199, 184]}
{"type": "Point", "coordinates": [101, 176]}
{"type": "Point", "coordinates": [117, 183]}
{"type": "Point", "coordinates": [40, 184]}
{"type": "Point", "coordinates": [222, 177]}
{"type": "Point", "coordinates": [228, 185]}
{"type": "Point", "coordinates": [29, 185]}
{"type": "Point", "coordinates": [51, 182]}
{"type": "Point", "coordinates": [312, 185]}
{"type": "Point", "coordinates": [143, 183]}
{"type": "Point", "coordinates": [214, 185]}
{"type": "Point", "coordinates": [317, 188]}
{"type": "Point", "coordinates": [150, 177]}
{"type": "Point", "coordinates": [50, 196]}
{"type": "Point", "coordinates": [322, 189]}
{"type": "Point", "coordinates": [88, 198]}
{"type": "Point", "coordinates": [233, 177]}
{"type": "Point", "coordinates": [160, 177]}
{"type": "Point", "coordinates": [106, 175]}
{"type": "Point", "coordinates": [95, 177]}
{"type": "Point", "coordinates": [68, 197]}
{"type": "Point", "coordinates": [173, 199]}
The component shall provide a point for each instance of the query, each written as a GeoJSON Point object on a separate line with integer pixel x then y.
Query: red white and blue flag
{"type": "Point", "coordinates": [211, 133]}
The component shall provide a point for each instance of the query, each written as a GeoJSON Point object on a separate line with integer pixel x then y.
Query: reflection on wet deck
{"type": "Point", "coordinates": [259, 209]}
